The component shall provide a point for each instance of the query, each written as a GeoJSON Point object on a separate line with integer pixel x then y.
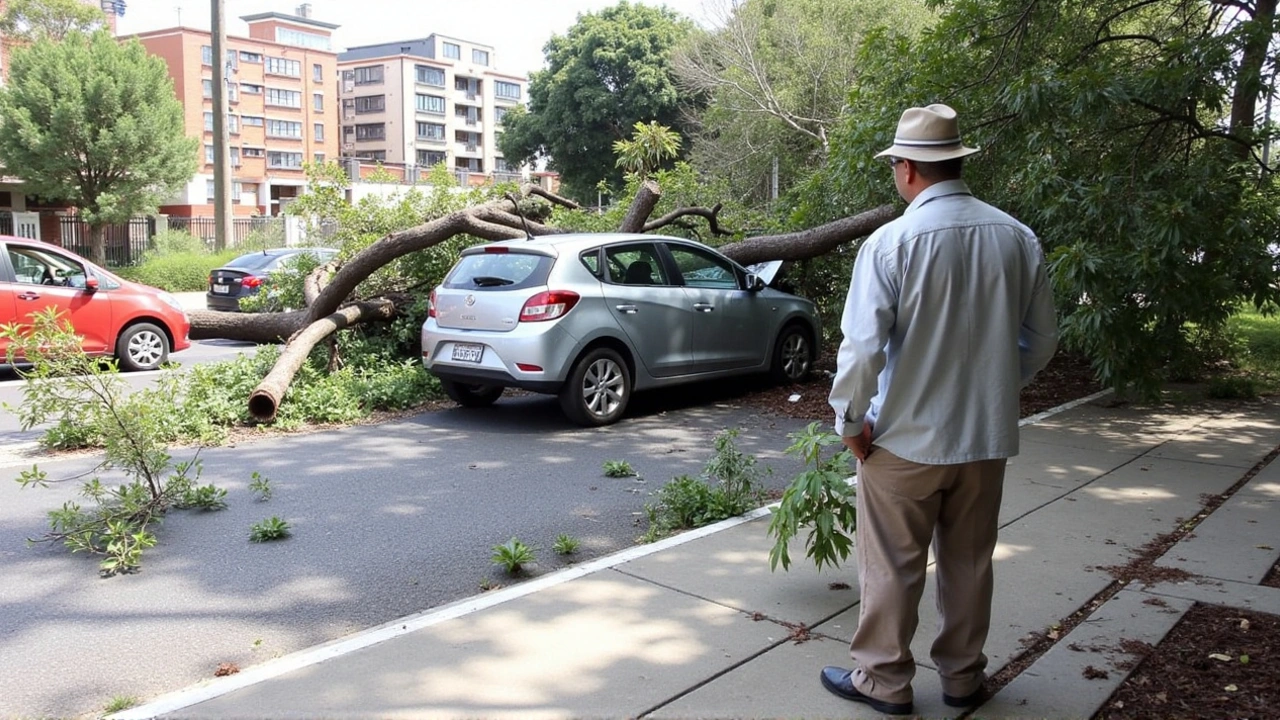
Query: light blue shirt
{"type": "Point", "coordinates": [949, 315]}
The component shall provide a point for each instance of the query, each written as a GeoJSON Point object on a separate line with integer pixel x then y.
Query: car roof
{"type": "Point", "coordinates": [575, 242]}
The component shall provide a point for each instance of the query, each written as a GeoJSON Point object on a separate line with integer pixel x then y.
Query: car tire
{"type": "Point", "coordinates": [598, 389]}
{"type": "Point", "coordinates": [793, 355]}
{"type": "Point", "coordinates": [142, 347]}
{"type": "Point", "coordinates": [472, 396]}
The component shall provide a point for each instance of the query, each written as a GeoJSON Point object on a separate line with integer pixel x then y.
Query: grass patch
{"type": "Point", "coordinates": [1256, 368]}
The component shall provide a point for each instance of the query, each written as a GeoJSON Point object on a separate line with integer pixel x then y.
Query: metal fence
{"type": "Point", "coordinates": [6, 223]}
{"type": "Point", "coordinates": [126, 243]}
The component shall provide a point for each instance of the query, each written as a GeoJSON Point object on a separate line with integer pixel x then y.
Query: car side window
{"type": "Point", "coordinates": [703, 270]}
{"type": "Point", "coordinates": [35, 267]}
{"type": "Point", "coordinates": [591, 261]}
{"type": "Point", "coordinates": [635, 265]}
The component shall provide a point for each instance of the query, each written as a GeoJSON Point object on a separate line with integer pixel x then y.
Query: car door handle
{"type": "Point", "coordinates": [28, 296]}
{"type": "Point", "coordinates": [628, 309]}
{"type": "Point", "coordinates": [704, 307]}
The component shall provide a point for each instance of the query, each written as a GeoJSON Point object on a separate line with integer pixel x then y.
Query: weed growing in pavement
{"type": "Point", "coordinates": [618, 469]}
{"type": "Point", "coordinates": [273, 528]}
{"type": "Point", "coordinates": [565, 545]}
{"type": "Point", "coordinates": [66, 387]}
{"type": "Point", "coordinates": [260, 487]}
{"type": "Point", "coordinates": [512, 556]}
{"type": "Point", "coordinates": [120, 702]}
{"type": "Point", "coordinates": [687, 502]}
{"type": "Point", "coordinates": [820, 498]}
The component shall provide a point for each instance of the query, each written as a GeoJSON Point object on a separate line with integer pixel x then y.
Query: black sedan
{"type": "Point", "coordinates": [243, 276]}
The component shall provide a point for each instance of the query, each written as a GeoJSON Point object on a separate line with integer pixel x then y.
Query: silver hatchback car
{"type": "Point", "coordinates": [594, 317]}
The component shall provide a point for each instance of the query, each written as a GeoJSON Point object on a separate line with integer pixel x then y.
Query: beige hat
{"type": "Point", "coordinates": [928, 134]}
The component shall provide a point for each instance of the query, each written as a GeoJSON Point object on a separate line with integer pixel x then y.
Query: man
{"type": "Point", "coordinates": [949, 315]}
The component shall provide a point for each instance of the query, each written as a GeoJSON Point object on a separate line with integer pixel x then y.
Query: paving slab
{"type": "Point", "coordinates": [1238, 541]}
{"type": "Point", "coordinates": [1236, 440]}
{"type": "Point", "coordinates": [604, 645]}
{"type": "Point", "coordinates": [1119, 429]}
{"type": "Point", "coordinates": [783, 683]}
{"type": "Point", "coordinates": [1055, 685]}
{"type": "Point", "coordinates": [1043, 472]}
{"type": "Point", "coordinates": [1258, 598]}
{"type": "Point", "coordinates": [732, 568]}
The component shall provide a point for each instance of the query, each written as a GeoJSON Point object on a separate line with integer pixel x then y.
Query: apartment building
{"type": "Point", "coordinates": [419, 103]}
{"type": "Point", "coordinates": [282, 100]}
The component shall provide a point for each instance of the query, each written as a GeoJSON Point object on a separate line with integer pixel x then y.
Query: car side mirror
{"type": "Point", "coordinates": [754, 282]}
{"type": "Point", "coordinates": [91, 284]}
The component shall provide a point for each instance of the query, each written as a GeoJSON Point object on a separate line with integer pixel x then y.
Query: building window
{"type": "Point", "coordinates": [206, 55]}
{"type": "Point", "coordinates": [254, 152]}
{"type": "Point", "coordinates": [509, 91]}
{"type": "Point", "coordinates": [235, 159]}
{"type": "Point", "coordinates": [430, 104]}
{"type": "Point", "coordinates": [317, 72]}
{"type": "Point", "coordinates": [233, 93]}
{"type": "Point", "coordinates": [498, 114]}
{"type": "Point", "coordinates": [371, 103]}
{"type": "Point", "coordinates": [284, 98]}
{"type": "Point", "coordinates": [470, 115]}
{"type": "Point", "coordinates": [277, 159]}
{"type": "Point", "coordinates": [371, 131]}
{"type": "Point", "coordinates": [430, 131]}
{"type": "Point", "coordinates": [250, 88]}
{"type": "Point", "coordinates": [371, 75]}
{"type": "Point", "coordinates": [209, 192]}
{"type": "Point", "coordinates": [428, 75]}
{"type": "Point", "coordinates": [453, 51]}
{"type": "Point", "coordinates": [319, 158]}
{"type": "Point", "coordinates": [233, 124]}
{"type": "Point", "coordinates": [284, 129]}
{"type": "Point", "coordinates": [208, 154]}
{"type": "Point", "coordinates": [288, 36]}
{"type": "Point", "coordinates": [207, 88]}
{"type": "Point", "coordinates": [317, 102]}
{"type": "Point", "coordinates": [379, 155]}
{"type": "Point", "coordinates": [281, 66]}
{"type": "Point", "coordinates": [319, 130]}
{"type": "Point", "coordinates": [480, 57]}
{"type": "Point", "coordinates": [208, 122]}
{"type": "Point", "coordinates": [255, 120]}
{"type": "Point", "coordinates": [430, 158]}
{"type": "Point", "coordinates": [500, 165]}
{"type": "Point", "coordinates": [233, 60]}
{"type": "Point", "coordinates": [250, 57]}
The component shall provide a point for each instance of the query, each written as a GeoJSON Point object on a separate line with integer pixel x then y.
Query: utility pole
{"type": "Point", "coordinates": [223, 234]}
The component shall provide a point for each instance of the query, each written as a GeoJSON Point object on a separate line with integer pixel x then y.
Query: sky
{"type": "Point", "coordinates": [517, 29]}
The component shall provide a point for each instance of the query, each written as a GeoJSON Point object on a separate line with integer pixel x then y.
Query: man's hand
{"type": "Point", "coordinates": [860, 445]}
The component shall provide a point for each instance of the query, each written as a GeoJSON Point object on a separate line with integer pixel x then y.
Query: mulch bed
{"type": "Point", "coordinates": [1273, 578]}
{"type": "Point", "coordinates": [1215, 663]}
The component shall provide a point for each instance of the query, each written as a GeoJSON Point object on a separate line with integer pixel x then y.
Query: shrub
{"type": "Point", "coordinates": [565, 545]}
{"type": "Point", "coordinates": [512, 556]}
{"type": "Point", "coordinates": [819, 498]}
{"type": "Point", "coordinates": [178, 272]}
{"type": "Point", "coordinates": [618, 469]}
{"type": "Point", "coordinates": [688, 502]}
{"type": "Point", "coordinates": [273, 528]}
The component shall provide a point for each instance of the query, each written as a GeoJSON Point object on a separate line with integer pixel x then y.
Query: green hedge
{"type": "Point", "coordinates": [178, 272]}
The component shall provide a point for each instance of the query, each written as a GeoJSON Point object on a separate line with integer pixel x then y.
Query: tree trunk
{"type": "Point", "coordinates": [250, 327]}
{"type": "Point", "coordinates": [1249, 85]}
{"type": "Point", "coordinates": [98, 244]}
{"type": "Point", "coordinates": [265, 399]}
{"type": "Point", "coordinates": [805, 244]}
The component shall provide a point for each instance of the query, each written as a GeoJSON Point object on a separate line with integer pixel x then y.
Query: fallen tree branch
{"type": "Point", "coordinates": [710, 214]}
{"type": "Point", "coordinates": [265, 399]}
{"type": "Point", "coordinates": [804, 244]}
{"type": "Point", "coordinates": [642, 206]}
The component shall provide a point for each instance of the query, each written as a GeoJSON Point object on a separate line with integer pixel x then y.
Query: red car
{"type": "Point", "coordinates": [138, 324]}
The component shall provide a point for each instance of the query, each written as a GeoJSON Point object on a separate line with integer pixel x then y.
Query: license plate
{"type": "Point", "coordinates": [221, 289]}
{"type": "Point", "coordinates": [467, 352]}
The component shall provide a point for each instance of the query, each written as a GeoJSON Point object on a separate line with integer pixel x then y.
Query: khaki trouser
{"type": "Point", "coordinates": [901, 506]}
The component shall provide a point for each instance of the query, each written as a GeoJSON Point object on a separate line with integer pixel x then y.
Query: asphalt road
{"type": "Point", "coordinates": [388, 521]}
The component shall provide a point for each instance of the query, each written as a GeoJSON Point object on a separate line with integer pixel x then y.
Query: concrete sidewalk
{"type": "Point", "coordinates": [697, 626]}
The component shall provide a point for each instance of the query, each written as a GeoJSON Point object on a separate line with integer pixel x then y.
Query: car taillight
{"type": "Point", "coordinates": [548, 305]}
{"type": "Point", "coordinates": [251, 281]}
{"type": "Point", "coordinates": [431, 304]}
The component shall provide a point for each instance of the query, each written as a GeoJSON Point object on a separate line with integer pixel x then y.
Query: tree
{"type": "Point", "coordinates": [31, 20]}
{"type": "Point", "coordinates": [647, 149]}
{"type": "Point", "coordinates": [610, 71]}
{"type": "Point", "coordinates": [95, 123]}
{"type": "Point", "coordinates": [776, 75]}
{"type": "Point", "coordinates": [1107, 127]}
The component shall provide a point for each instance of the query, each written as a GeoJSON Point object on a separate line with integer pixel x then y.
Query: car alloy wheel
{"type": "Point", "coordinates": [598, 389]}
{"type": "Point", "coordinates": [793, 358]}
{"type": "Point", "coordinates": [142, 347]}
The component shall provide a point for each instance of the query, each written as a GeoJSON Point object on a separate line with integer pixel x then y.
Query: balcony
{"type": "Point", "coordinates": [468, 148]}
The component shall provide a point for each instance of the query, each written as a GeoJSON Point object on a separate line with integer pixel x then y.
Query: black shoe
{"type": "Point", "coordinates": [840, 681]}
{"type": "Point", "coordinates": [977, 697]}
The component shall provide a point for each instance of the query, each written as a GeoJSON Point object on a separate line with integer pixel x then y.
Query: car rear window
{"type": "Point", "coordinates": [255, 261]}
{"type": "Point", "coordinates": [499, 271]}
